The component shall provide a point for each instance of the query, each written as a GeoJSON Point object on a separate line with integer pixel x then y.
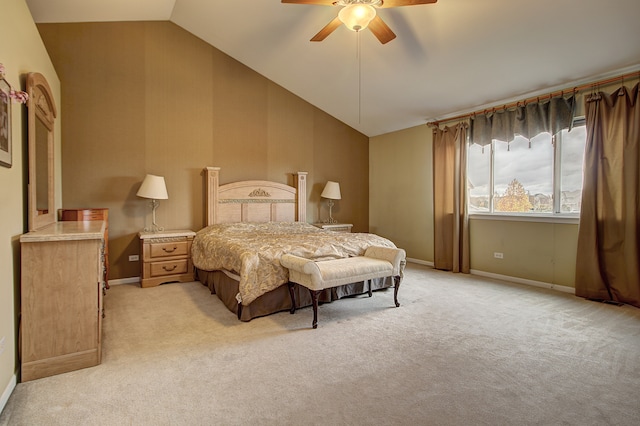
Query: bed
{"type": "Point", "coordinates": [249, 226]}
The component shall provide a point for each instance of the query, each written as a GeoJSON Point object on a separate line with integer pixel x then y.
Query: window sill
{"type": "Point", "coordinates": [558, 218]}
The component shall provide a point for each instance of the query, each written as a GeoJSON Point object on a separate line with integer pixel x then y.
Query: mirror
{"type": "Point", "coordinates": [41, 121]}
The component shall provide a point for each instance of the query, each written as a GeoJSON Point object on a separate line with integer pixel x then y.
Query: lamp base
{"type": "Point", "coordinates": [331, 220]}
{"type": "Point", "coordinates": [154, 226]}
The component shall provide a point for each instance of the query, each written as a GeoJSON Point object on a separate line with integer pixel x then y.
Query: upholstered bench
{"type": "Point", "coordinates": [377, 262]}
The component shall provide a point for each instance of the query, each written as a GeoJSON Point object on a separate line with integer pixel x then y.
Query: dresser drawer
{"type": "Point", "coordinates": [83, 214]}
{"type": "Point", "coordinates": [175, 248]}
{"type": "Point", "coordinates": [175, 267]}
{"type": "Point", "coordinates": [92, 215]}
{"type": "Point", "coordinates": [87, 215]}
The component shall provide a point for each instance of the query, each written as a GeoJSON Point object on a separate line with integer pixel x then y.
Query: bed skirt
{"type": "Point", "coordinates": [278, 300]}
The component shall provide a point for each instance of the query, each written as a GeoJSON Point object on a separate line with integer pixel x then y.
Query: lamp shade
{"type": "Point", "coordinates": [331, 191]}
{"type": "Point", "coordinates": [357, 16]}
{"type": "Point", "coordinates": [153, 187]}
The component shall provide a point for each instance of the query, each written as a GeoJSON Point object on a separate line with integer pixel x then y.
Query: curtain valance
{"type": "Point", "coordinates": [552, 116]}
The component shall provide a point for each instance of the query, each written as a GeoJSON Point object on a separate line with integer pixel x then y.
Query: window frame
{"type": "Point", "coordinates": [555, 216]}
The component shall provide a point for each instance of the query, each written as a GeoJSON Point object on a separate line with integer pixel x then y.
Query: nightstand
{"type": "Point", "coordinates": [166, 257]}
{"type": "Point", "coordinates": [336, 227]}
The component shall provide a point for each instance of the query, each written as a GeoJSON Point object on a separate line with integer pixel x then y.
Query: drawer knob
{"type": "Point", "coordinates": [169, 269]}
{"type": "Point", "coordinates": [169, 250]}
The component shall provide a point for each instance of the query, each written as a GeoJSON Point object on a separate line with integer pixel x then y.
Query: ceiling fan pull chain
{"type": "Point", "coordinates": [359, 53]}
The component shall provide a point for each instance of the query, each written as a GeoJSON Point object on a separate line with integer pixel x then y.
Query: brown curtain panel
{"type": "Point", "coordinates": [608, 239]}
{"type": "Point", "coordinates": [450, 218]}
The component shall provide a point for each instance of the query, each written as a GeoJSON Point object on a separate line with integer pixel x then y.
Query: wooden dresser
{"type": "Point", "coordinates": [61, 298]}
{"type": "Point", "coordinates": [80, 215]}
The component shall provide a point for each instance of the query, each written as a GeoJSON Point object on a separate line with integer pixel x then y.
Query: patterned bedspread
{"type": "Point", "coordinates": [253, 250]}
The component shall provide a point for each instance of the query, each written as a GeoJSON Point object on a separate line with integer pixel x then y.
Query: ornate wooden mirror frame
{"type": "Point", "coordinates": [41, 121]}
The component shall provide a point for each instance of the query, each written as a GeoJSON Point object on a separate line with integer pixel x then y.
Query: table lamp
{"type": "Point", "coordinates": [331, 192]}
{"type": "Point", "coordinates": [153, 187]}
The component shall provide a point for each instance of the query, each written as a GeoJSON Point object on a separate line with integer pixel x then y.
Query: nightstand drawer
{"type": "Point", "coordinates": [175, 267]}
{"type": "Point", "coordinates": [340, 228]}
{"type": "Point", "coordinates": [335, 227]}
{"type": "Point", "coordinates": [175, 248]}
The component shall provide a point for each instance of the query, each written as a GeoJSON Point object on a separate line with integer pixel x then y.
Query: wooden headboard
{"type": "Point", "coordinates": [254, 200]}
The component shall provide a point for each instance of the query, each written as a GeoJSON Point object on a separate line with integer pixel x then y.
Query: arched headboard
{"type": "Point", "coordinates": [254, 200]}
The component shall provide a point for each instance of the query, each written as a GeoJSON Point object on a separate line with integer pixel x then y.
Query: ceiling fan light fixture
{"type": "Point", "coordinates": [357, 16]}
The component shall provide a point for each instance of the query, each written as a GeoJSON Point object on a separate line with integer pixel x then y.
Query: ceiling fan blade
{"type": "Point", "coordinates": [381, 30]}
{"type": "Point", "coordinates": [328, 29]}
{"type": "Point", "coordinates": [321, 2]}
{"type": "Point", "coordinates": [398, 3]}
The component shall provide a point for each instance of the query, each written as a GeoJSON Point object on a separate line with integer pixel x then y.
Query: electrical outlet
{"type": "Point", "coordinates": [2, 345]}
{"type": "Point", "coordinates": [134, 258]}
{"type": "Point", "coordinates": [498, 255]}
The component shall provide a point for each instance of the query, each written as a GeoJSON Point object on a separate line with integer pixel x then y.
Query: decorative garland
{"type": "Point", "coordinates": [18, 96]}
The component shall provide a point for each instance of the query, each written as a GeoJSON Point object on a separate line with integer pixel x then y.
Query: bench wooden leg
{"type": "Point", "coordinates": [396, 279]}
{"type": "Point", "coordinates": [293, 298]}
{"type": "Point", "coordinates": [314, 299]}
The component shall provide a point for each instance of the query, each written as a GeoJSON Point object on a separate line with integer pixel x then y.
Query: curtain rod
{"type": "Point", "coordinates": [574, 90]}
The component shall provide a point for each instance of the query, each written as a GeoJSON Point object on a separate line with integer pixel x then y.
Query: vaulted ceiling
{"type": "Point", "coordinates": [450, 57]}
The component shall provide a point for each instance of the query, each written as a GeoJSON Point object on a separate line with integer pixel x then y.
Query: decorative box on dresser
{"type": "Point", "coordinates": [61, 298]}
{"type": "Point", "coordinates": [166, 257]}
{"type": "Point", "coordinates": [80, 215]}
{"type": "Point", "coordinates": [336, 227]}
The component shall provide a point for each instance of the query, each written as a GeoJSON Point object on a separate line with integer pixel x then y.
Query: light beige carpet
{"type": "Point", "coordinates": [461, 350]}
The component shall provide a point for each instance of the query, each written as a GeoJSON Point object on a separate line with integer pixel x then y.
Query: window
{"type": "Point", "coordinates": [541, 176]}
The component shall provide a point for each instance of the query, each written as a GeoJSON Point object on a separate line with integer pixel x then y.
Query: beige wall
{"type": "Point", "coordinates": [544, 252]}
{"type": "Point", "coordinates": [149, 97]}
{"type": "Point", "coordinates": [401, 200]}
{"type": "Point", "coordinates": [21, 51]}
{"type": "Point", "coordinates": [400, 192]}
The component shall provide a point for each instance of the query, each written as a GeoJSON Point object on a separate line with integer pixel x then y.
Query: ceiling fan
{"type": "Point", "coordinates": [360, 14]}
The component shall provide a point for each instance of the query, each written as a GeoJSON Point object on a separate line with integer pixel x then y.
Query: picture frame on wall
{"type": "Point", "coordinates": [5, 124]}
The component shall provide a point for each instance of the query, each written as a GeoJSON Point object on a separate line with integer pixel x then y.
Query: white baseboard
{"type": "Point", "coordinates": [131, 280]}
{"type": "Point", "coordinates": [420, 262]}
{"type": "Point", "coordinates": [562, 288]}
{"type": "Point", "coordinates": [8, 391]}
